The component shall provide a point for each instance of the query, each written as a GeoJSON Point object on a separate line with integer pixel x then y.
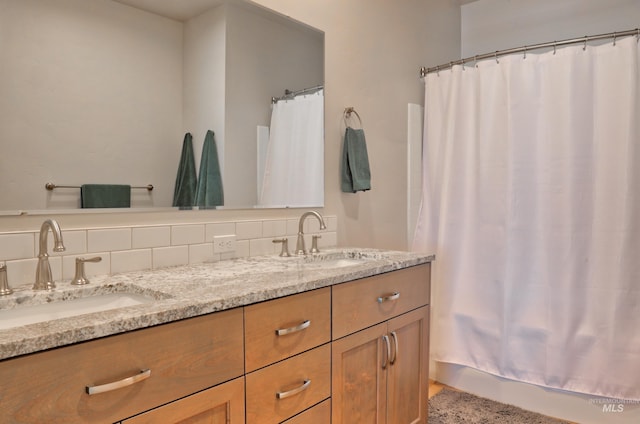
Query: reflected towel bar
{"type": "Point", "coordinates": [51, 186]}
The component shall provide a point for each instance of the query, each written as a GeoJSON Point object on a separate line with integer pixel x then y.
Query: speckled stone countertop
{"type": "Point", "coordinates": [189, 291]}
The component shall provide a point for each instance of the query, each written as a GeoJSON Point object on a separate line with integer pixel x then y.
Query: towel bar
{"type": "Point", "coordinates": [51, 186]}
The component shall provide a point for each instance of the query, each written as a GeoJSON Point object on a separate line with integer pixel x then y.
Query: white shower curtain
{"type": "Point", "coordinates": [531, 203]}
{"type": "Point", "coordinates": [294, 168]}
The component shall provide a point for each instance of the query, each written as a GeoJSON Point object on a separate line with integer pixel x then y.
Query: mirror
{"type": "Point", "coordinates": [103, 92]}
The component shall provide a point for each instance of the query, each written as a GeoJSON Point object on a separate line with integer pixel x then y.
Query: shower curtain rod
{"type": "Point", "coordinates": [288, 94]}
{"type": "Point", "coordinates": [424, 71]}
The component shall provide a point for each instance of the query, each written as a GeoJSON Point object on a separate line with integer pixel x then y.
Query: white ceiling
{"type": "Point", "coordinates": [181, 10]}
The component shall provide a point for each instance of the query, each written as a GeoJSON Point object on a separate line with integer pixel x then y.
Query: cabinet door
{"type": "Point", "coordinates": [359, 380]}
{"type": "Point", "coordinates": [408, 370]}
{"type": "Point", "coordinates": [223, 404]}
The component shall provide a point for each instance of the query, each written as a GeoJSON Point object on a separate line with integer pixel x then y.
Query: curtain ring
{"type": "Point", "coordinates": [585, 43]}
{"type": "Point", "coordinates": [475, 61]}
{"type": "Point", "coordinates": [614, 38]}
{"type": "Point", "coordinates": [554, 47]}
{"type": "Point", "coordinates": [525, 53]}
{"type": "Point", "coordinates": [637, 35]}
{"type": "Point", "coordinates": [496, 56]}
{"type": "Point", "coordinates": [438, 70]}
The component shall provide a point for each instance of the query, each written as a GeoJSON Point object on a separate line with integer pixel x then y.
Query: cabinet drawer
{"type": "Point", "coordinates": [282, 390]}
{"type": "Point", "coordinates": [183, 357]}
{"type": "Point", "coordinates": [222, 404]}
{"type": "Point", "coordinates": [363, 303]}
{"type": "Point", "coordinates": [319, 414]}
{"type": "Point", "coordinates": [303, 321]}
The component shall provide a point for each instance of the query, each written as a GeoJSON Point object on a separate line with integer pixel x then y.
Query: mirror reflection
{"type": "Point", "coordinates": [104, 91]}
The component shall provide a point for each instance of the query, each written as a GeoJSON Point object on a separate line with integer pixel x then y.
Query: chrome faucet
{"type": "Point", "coordinates": [300, 249]}
{"type": "Point", "coordinates": [44, 281]}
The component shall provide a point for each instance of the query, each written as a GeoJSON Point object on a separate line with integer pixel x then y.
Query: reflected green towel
{"type": "Point", "coordinates": [209, 192]}
{"type": "Point", "coordinates": [355, 172]}
{"type": "Point", "coordinates": [105, 196]}
{"type": "Point", "coordinates": [184, 194]}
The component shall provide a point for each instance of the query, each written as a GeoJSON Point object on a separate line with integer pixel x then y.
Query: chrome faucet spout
{"type": "Point", "coordinates": [44, 280]}
{"type": "Point", "coordinates": [300, 247]}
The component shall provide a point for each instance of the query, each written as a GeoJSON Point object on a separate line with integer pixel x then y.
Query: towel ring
{"type": "Point", "coordinates": [347, 115]}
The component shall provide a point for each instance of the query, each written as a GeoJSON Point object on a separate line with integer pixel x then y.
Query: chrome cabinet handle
{"type": "Point", "coordinates": [305, 386]}
{"type": "Point", "coordinates": [385, 338]}
{"type": "Point", "coordinates": [393, 296]}
{"type": "Point", "coordinates": [285, 331]}
{"type": "Point", "coordinates": [394, 336]}
{"type": "Point", "coordinates": [143, 375]}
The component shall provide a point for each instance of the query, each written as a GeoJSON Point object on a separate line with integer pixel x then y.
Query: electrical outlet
{"type": "Point", "coordinates": [222, 244]}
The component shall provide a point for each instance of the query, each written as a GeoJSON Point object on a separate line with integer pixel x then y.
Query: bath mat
{"type": "Point", "coordinates": [454, 407]}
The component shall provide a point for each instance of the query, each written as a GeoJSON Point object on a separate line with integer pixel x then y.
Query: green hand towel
{"type": "Point", "coordinates": [355, 172]}
{"type": "Point", "coordinates": [105, 196]}
{"type": "Point", "coordinates": [184, 194]}
{"type": "Point", "coordinates": [209, 192]}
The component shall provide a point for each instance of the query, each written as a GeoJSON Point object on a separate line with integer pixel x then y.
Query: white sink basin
{"type": "Point", "coordinates": [333, 260]}
{"type": "Point", "coordinates": [24, 315]}
{"type": "Point", "coordinates": [337, 263]}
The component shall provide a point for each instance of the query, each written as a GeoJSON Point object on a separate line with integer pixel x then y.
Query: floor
{"type": "Point", "coordinates": [434, 388]}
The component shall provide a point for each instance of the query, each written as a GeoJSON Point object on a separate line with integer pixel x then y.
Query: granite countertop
{"type": "Point", "coordinates": [188, 291]}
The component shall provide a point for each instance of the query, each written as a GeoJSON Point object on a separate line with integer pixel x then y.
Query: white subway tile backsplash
{"type": "Point", "coordinates": [292, 226]}
{"type": "Point", "coordinates": [199, 253]}
{"type": "Point", "coordinates": [170, 256]}
{"type": "Point", "coordinates": [131, 260]}
{"type": "Point", "coordinates": [21, 272]}
{"type": "Point", "coordinates": [259, 247]}
{"type": "Point", "coordinates": [227, 255]}
{"type": "Point", "coordinates": [138, 248]}
{"type": "Point", "coordinates": [75, 242]}
{"type": "Point", "coordinates": [248, 230]}
{"type": "Point", "coordinates": [17, 246]}
{"type": "Point", "coordinates": [274, 228]}
{"type": "Point", "coordinates": [242, 250]}
{"type": "Point", "coordinates": [187, 234]}
{"type": "Point", "coordinates": [109, 239]}
{"type": "Point", "coordinates": [142, 237]}
{"type": "Point", "coordinates": [219, 229]}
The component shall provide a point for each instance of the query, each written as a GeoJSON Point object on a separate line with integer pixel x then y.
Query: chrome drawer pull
{"type": "Point", "coordinates": [282, 395]}
{"type": "Point", "coordinates": [394, 336]}
{"type": "Point", "coordinates": [393, 296]}
{"type": "Point", "coordinates": [284, 331]}
{"type": "Point", "coordinates": [94, 390]}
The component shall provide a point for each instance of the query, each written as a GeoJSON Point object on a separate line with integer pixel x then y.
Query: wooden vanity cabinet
{"type": "Point", "coordinates": [380, 365]}
{"type": "Point", "coordinates": [355, 352]}
{"type": "Point", "coordinates": [184, 357]}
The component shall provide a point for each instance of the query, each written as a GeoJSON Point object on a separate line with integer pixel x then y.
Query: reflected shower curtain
{"type": "Point", "coordinates": [531, 203]}
{"type": "Point", "coordinates": [294, 166]}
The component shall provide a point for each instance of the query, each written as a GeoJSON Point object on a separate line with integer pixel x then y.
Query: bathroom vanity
{"type": "Point", "coordinates": [339, 337]}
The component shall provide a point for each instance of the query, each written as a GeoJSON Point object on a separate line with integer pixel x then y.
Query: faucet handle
{"type": "Point", "coordinates": [285, 246]}
{"type": "Point", "coordinates": [80, 279]}
{"type": "Point", "coordinates": [314, 243]}
{"type": "Point", "coordinates": [4, 283]}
